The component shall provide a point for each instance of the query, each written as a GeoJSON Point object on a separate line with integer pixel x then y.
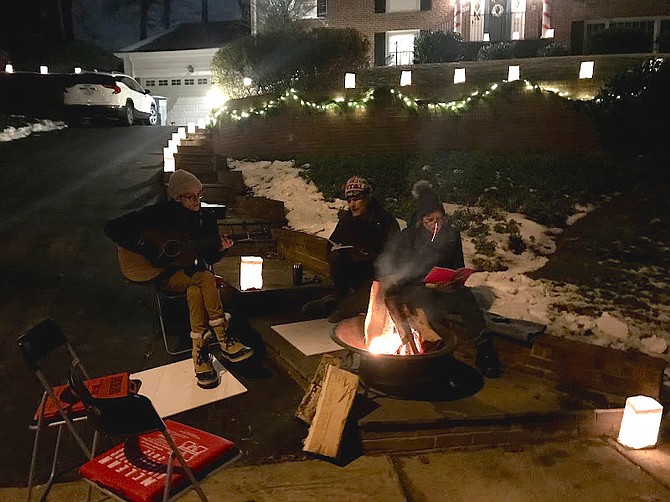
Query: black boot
{"type": "Point", "coordinates": [486, 359]}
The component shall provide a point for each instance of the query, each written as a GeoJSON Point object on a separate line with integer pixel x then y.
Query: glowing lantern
{"type": "Point", "coordinates": [586, 69]}
{"type": "Point", "coordinates": [251, 272]}
{"type": "Point", "coordinates": [513, 73]}
{"type": "Point", "coordinates": [77, 69]}
{"type": "Point", "coordinates": [190, 127]}
{"type": "Point", "coordinates": [640, 423]}
{"type": "Point", "coordinates": [246, 81]}
{"type": "Point", "coordinates": [9, 68]}
{"type": "Point", "coordinates": [181, 133]}
{"type": "Point", "coordinates": [201, 123]}
{"type": "Point", "coordinates": [516, 35]}
{"type": "Point", "coordinates": [349, 80]}
{"type": "Point", "coordinates": [168, 160]}
{"type": "Point", "coordinates": [487, 37]}
{"type": "Point", "coordinates": [406, 77]}
{"type": "Point", "coordinates": [44, 70]}
{"type": "Point", "coordinates": [549, 33]}
{"type": "Point", "coordinates": [459, 75]}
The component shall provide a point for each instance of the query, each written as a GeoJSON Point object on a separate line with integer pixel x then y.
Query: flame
{"type": "Point", "coordinates": [390, 342]}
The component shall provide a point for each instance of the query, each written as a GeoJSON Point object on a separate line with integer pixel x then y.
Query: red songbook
{"type": "Point", "coordinates": [441, 275]}
{"type": "Point", "coordinates": [107, 386]}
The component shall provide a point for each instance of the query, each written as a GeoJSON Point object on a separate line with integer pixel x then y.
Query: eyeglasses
{"type": "Point", "coordinates": [192, 197]}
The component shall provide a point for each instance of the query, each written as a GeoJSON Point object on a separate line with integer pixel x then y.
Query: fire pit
{"type": "Point", "coordinates": [416, 376]}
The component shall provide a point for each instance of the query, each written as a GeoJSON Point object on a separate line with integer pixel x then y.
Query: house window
{"type": "Point", "coordinates": [175, 81]}
{"type": "Point", "coordinates": [402, 5]}
{"type": "Point", "coordinates": [149, 83]}
{"type": "Point", "coordinates": [162, 83]}
{"type": "Point", "coordinates": [202, 81]}
{"type": "Point", "coordinates": [188, 81]}
{"type": "Point", "coordinates": [400, 47]}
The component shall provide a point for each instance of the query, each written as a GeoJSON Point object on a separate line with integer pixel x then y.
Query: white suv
{"type": "Point", "coordinates": [109, 95]}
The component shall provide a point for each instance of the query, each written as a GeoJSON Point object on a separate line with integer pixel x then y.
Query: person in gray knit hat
{"type": "Point", "coordinates": [147, 256]}
{"type": "Point", "coordinates": [428, 241]}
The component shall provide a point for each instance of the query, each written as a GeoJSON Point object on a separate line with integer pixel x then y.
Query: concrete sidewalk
{"type": "Point", "coordinates": [580, 470]}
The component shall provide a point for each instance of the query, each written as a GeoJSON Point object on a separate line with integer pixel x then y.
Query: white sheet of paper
{"type": "Point", "coordinates": [309, 337]}
{"type": "Point", "coordinates": [172, 388]}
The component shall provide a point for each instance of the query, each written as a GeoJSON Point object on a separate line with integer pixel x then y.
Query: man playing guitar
{"type": "Point", "coordinates": [174, 243]}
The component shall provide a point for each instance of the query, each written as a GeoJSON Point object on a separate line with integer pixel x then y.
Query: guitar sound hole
{"type": "Point", "coordinates": [171, 249]}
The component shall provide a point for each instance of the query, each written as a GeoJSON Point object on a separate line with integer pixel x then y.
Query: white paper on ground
{"type": "Point", "coordinates": [309, 337]}
{"type": "Point", "coordinates": [172, 388]}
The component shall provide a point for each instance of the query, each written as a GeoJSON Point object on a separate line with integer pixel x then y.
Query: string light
{"type": "Point", "coordinates": [341, 105]}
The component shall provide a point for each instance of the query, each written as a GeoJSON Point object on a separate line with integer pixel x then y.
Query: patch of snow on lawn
{"type": "Point", "coordinates": [11, 133]}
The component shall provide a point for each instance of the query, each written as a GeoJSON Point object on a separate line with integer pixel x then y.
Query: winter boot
{"type": "Point", "coordinates": [206, 375]}
{"type": "Point", "coordinates": [486, 359]}
{"type": "Point", "coordinates": [231, 348]}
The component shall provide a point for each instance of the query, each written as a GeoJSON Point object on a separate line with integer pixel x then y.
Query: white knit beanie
{"type": "Point", "coordinates": [182, 182]}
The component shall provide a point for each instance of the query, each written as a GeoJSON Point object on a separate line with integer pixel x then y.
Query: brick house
{"type": "Point", "coordinates": [392, 25]}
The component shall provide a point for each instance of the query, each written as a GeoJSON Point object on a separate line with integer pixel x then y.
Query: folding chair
{"type": "Point", "coordinates": [148, 450]}
{"type": "Point", "coordinates": [163, 298]}
{"type": "Point", "coordinates": [56, 408]}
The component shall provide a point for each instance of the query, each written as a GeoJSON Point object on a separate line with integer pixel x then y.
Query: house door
{"type": "Point", "coordinates": [497, 20]}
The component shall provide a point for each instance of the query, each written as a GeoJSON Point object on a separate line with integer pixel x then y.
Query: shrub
{"type": "Point", "coordinates": [279, 60]}
{"type": "Point", "coordinates": [553, 49]}
{"type": "Point", "coordinates": [499, 50]}
{"type": "Point", "coordinates": [633, 109]}
{"type": "Point", "coordinates": [619, 40]}
{"type": "Point", "coordinates": [438, 47]}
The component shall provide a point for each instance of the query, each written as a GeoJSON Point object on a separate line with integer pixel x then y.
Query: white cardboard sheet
{"type": "Point", "coordinates": [172, 388]}
{"type": "Point", "coordinates": [309, 337]}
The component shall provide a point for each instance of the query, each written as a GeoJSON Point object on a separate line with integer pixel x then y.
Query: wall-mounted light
{"type": "Point", "coordinates": [349, 80]}
{"type": "Point", "coordinates": [406, 77]}
{"type": "Point", "coordinates": [513, 73]}
{"type": "Point", "coordinates": [44, 69]}
{"type": "Point", "coordinates": [487, 37]}
{"type": "Point", "coordinates": [459, 75]}
{"type": "Point", "coordinates": [640, 423]}
{"type": "Point", "coordinates": [586, 69]}
{"type": "Point", "coordinates": [251, 272]}
{"type": "Point", "coordinates": [190, 68]}
{"type": "Point", "coordinates": [215, 98]}
{"type": "Point", "coordinates": [9, 68]}
{"type": "Point", "coordinates": [77, 69]}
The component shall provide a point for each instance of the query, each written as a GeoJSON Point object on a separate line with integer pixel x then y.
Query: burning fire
{"type": "Point", "coordinates": [391, 343]}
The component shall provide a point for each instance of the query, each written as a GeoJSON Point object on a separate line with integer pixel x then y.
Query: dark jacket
{"type": "Point", "coordinates": [144, 232]}
{"type": "Point", "coordinates": [411, 255]}
{"type": "Point", "coordinates": [369, 233]}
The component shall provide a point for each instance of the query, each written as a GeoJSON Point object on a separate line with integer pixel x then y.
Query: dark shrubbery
{"type": "Point", "coordinates": [553, 49]}
{"type": "Point", "coordinates": [499, 50]}
{"type": "Point", "coordinates": [438, 47]}
{"type": "Point", "coordinates": [633, 109]}
{"type": "Point", "coordinates": [544, 187]}
{"type": "Point", "coordinates": [618, 40]}
{"type": "Point", "coordinates": [279, 60]}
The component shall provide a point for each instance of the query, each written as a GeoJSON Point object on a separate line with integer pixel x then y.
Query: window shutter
{"type": "Point", "coordinates": [426, 4]}
{"type": "Point", "coordinates": [321, 8]}
{"type": "Point", "coordinates": [380, 49]}
{"type": "Point", "coordinates": [380, 5]}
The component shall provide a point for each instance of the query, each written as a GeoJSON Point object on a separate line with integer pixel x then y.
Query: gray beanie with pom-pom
{"type": "Point", "coordinates": [427, 199]}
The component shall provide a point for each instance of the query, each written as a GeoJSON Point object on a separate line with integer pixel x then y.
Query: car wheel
{"type": "Point", "coordinates": [153, 116]}
{"type": "Point", "coordinates": [130, 114]}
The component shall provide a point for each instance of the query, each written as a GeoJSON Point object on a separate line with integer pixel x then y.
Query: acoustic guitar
{"type": "Point", "coordinates": [175, 250]}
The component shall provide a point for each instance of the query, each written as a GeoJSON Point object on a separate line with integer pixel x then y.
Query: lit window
{"type": "Point", "coordinates": [402, 5]}
{"type": "Point", "coordinates": [400, 47]}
